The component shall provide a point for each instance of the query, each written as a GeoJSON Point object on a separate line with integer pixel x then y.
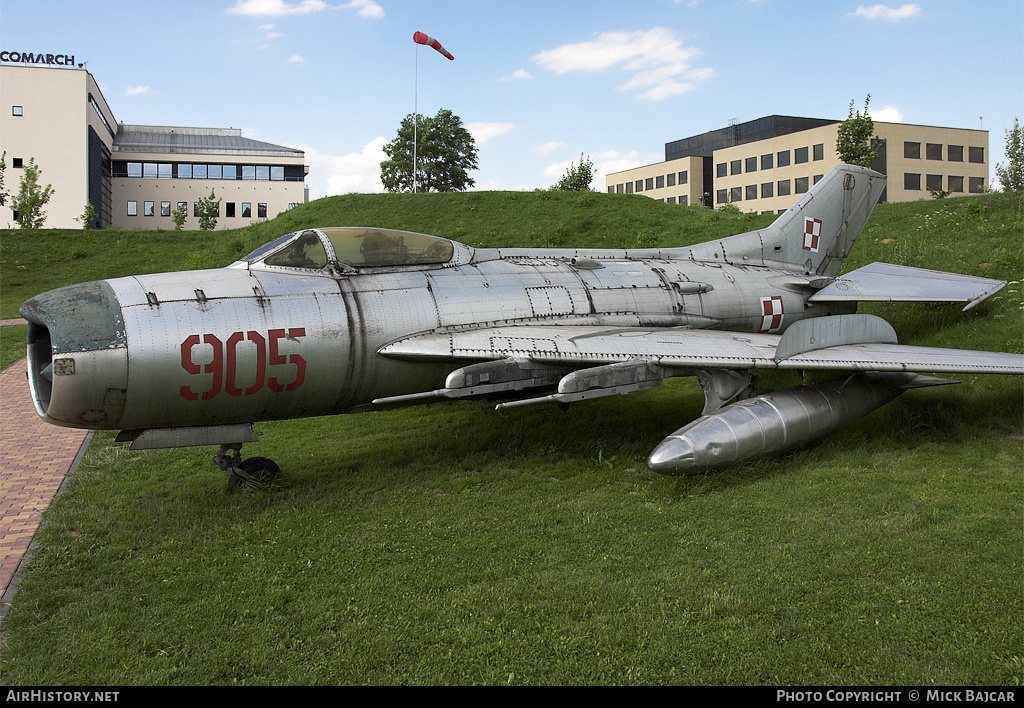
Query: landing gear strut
{"type": "Point", "coordinates": [259, 469]}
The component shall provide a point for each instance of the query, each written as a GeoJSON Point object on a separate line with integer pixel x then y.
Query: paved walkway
{"type": "Point", "coordinates": [34, 459]}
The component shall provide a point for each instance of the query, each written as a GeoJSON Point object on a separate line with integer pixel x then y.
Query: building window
{"type": "Point", "coordinates": [955, 153]}
{"type": "Point", "coordinates": [670, 179]}
{"type": "Point", "coordinates": [230, 172]}
{"type": "Point", "coordinates": [249, 173]}
{"type": "Point", "coordinates": [819, 152]}
{"type": "Point", "coordinates": [229, 208]}
{"type": "Point", "coordinates": [649, 183]}
{"type": "Point", "coordinates": [684, 177]}
{"type": "Point", "coordinates": [751, 164]}
{"type": "Point", "coordinates": [195, 209]}
{"type": "Point", "coordinates": [911, 181]}
{"type": "Point", "coordinates": [199, 172]}
{"type": "Point", "coordinates": [722, 170]}
{"type": "Point", "coordinates": [165, 208]}
{"type": "Point", "coordinates": [17, 111]}
{"type": "Point", "coordinates": [801, 185]}
{"type": "Point", "coordinates": [800, 156]}
{"type": "Point", "coordinates": [277, 174]}
{"type": "Point", "coordinates": [183, 207]}
{"type": "Point", "coordinates": [133, 208]}
{"type": "Point", "coordinates": [135, 169]}
{"type": "Point", "coordinates": [818, 178]}
{"type": "Point", "coordinates": [784, 188]}
{"type": "Point", "coordinates": [246, 210]}
{"type": "Point", "coordinates": [659, 182]}
{"type": "Point", "coordinates": [184, 171]}
{"type": "Point", "coordinates": [214, 171]}
{"type": "Point", "coordinates": [933, 182]}
{"type": "Point", "coordinates": [671, 200]}
{"type": "Point", "coordinates": [17, 162]}
{"type": "Point", "coordinates": [736, 167]}
{"type": "Point", "coordinates": [783, 160]}
{"type": "Point", "coordinates": [767, 161]}
{"type": "Point", "coordinates": [933, 151]}
{"type": "Point", "coordinates": [767, 190]}
{"type": "Point", "coordinates": [149, 170]}
{"type": "Point", "coordinates": [163, 170]}
{"type": "Point", "coordinates": [149, 208]}
{"type": "Point", "coordinates": [261, 210]}
{"type": "Point", "coordinates": [639, 185]}
{"type": "Point", "coordinates": [751, 192]}
{"type": "Point", "coordinates": [976, 155]}
{"type": "Point", "coordinates": [618, 189]}
{"type": "Point", "coordinates": [736, 194]}
{"type": "Point", "coordinates": [262, 173]}
{"type": "Point", "coordinates": [956, 184]}
{"type": "Point", "coordinates": [721, 196]}
{"type": "Point", "coordinates": [629, 187]}
{"type": "Point", "coordinates": [684, 200]}
{"type": "Point", "coordinates": [912, 151]}
{"type": "Point", "coordinates": [976, 185]}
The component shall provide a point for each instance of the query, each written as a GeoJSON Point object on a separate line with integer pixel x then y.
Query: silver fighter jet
{"type": "Point", "coordinates": [337, 320]}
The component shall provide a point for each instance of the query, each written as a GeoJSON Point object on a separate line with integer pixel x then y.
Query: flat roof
{"type": "Point", "coordinates": [184, 140]}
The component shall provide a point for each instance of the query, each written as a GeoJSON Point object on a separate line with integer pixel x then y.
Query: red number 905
{"type": "Point", "coordinates": [225, 357]}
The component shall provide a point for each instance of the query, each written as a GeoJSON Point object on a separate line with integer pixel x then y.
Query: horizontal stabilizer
{"type": "Point", "coordinates": [885, 282]}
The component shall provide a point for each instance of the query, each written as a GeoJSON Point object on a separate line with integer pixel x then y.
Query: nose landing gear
{"type": "Point", "coordinates": [261, 470]}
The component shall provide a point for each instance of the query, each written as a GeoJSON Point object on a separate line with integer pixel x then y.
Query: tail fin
{"type": "Point", "coordinates": [815, 234]}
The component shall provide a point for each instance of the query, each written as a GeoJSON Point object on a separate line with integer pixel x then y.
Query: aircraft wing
{"type": "Point", "coordinates": [587, 361]}
{"type": "Point", "coordinates": [885, 282]}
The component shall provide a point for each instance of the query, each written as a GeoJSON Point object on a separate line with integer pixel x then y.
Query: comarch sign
{"type": "Point", "coordinates": [30, 58]}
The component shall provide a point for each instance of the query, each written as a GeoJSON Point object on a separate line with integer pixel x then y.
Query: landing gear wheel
{"type": "Point", "coordinates": [259, 469]}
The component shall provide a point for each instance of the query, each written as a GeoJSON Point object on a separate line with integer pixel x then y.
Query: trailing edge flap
{"type": "Point", "coordinates": [863, 343]}
{"type": "Point", "coordinates": [885, 282]}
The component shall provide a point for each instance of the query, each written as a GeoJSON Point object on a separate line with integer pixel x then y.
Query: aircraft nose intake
{"type": "Point", "coordinates": [77, 355]}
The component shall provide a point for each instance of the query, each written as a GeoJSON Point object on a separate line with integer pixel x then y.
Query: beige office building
{"type": "Point", "coordinates": [765, 165]}
{"type": "Point", "coordinates": [133, 176]}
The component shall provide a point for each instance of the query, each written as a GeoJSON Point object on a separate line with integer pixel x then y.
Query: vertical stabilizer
{"type": "Point", "coordinates": [815, 234]}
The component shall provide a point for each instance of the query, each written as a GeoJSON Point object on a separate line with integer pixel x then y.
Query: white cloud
{"type": "Point", "coordinates": [889, 114]}
{"type": "Point", "coordinates": [482, 132]}
{"type": "Point", "coordinates": [273, 35]}
{"type": "Point", "coordinates": [517, 75]}
{"type": "Point", "coordinates": [890, 14]}
{"type": "Point", "coordinates": [355, 172]}
{"type": "Point", "coordinates": [275, 8]}
{"type": "Point", "coordinates": [659, 63]}
{"type": "Point", "coordinates": [365, 8]}
{"type": "Point", "coordinates": [541, 150]}
{"type": "Point", "coordinates": [296, 59]}
{"type": "Point", "coordinates": [135, 90]}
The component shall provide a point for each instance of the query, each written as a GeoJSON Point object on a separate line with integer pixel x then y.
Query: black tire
{"type": "Point", "coordinates": [262, 470]}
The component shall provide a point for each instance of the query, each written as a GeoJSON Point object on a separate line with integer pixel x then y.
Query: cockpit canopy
{"type": "Point", "coordinates": [356, 247]}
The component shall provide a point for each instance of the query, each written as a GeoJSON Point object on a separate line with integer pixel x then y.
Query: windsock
{"type": "Point", "coordinates": [421, 38]}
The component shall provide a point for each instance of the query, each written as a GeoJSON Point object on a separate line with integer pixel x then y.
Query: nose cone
{"type": "Point", "coordinates": [673, 456]}
{"type": "Point", "coordinates": [77, 355]}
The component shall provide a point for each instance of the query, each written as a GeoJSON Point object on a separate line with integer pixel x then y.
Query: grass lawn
{"type": "Point", "coordinates": [452, 544]}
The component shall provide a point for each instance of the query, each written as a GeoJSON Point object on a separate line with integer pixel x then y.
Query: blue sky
{"type": "Point", "coordinates": [537, 83]}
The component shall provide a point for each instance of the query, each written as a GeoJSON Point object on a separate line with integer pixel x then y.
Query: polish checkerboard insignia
{"type": "Point", "coordinates": [812, 232]}
{"type": "Point", "coordinates": [771, 313]}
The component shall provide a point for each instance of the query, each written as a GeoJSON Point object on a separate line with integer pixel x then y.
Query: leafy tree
{"type": "Point", "coordinates": [854, 142]}
{"type": "Point", "coordinates": [209, 210]}
{"type": "Point", "coordinates": [31, 198]}
{"type": "Point", "coordinates": [577, 178]}
{"type": "Point", "coordinates": [3, 168]}
{"type": "Point", "coordinates": [179, 215]}
{"type": "Point", "coordinates": [445, 153]}
{"type": "Point", "coordinates": [1011, 175]}
{"type": "Point", "coordinates": [88, 217]}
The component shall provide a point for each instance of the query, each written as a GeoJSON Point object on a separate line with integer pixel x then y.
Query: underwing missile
{"type": "Point", "coordinates": [776, 422]}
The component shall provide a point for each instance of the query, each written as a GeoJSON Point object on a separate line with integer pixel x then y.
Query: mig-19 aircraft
{"type": "Point", "coordinates": [338, 320]}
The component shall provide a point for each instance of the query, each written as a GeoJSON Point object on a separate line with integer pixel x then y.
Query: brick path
{"type": "Point", "coordinates": [34, 459]}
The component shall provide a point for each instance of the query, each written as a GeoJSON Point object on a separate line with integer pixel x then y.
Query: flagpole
{"type": "Point", "coordinates": [415, 114]}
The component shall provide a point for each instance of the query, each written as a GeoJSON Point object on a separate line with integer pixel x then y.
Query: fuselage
{"type": "Point", "coordinates": [254, 342]}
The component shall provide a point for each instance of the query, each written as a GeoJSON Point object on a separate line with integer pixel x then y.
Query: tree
{"type": "Point", "coordinates": [179, 215]}
{"type": "Point", "coordinates": [3, 168]}
{"type": "Point", "coordinates": [88, 217]}
{"type": "Point", "coordinates": [577, 178]}
{"type": "Point", "coordinates": [1011, 175]}
{"type": "Point", "coordinates": [209, 210]}
{"type": "Point", "coordinates": [854, 141]}
{"type": "Point", "coordinates": [31, 198]}
{"type": "Point", "coordinates": [445, 152]}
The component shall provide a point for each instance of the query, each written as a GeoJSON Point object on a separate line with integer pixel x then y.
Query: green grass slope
{"type": "Point", "coordinates": [450, 544]}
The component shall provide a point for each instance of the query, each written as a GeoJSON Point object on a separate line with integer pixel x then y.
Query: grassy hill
{"type": "Point", "coordinates": [452, 544]}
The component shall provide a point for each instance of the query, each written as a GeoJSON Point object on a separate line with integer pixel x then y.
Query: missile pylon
{"type": "Point", "coordinates": [776, 422]}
